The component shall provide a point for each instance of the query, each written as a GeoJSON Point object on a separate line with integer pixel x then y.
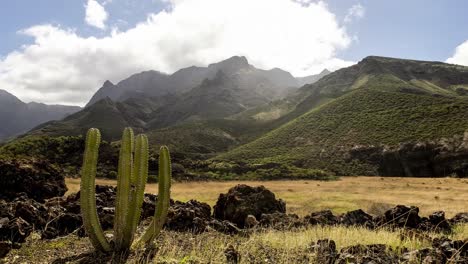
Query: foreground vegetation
{"type": "Point", "coordinates": [267, 246]}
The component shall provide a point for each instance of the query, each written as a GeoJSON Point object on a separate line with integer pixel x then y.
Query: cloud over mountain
{"type": "Point", "coordinates": [62, 66]}
{"type": "Point", "coordinates": [461, 55]}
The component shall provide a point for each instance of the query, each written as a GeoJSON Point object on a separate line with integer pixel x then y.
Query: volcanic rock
{"type": "Point", "coordinates": [38, 179]}
{"type": "Point", "coordinates": [281, 221]}
{"type": "Point", "coordinates": [403, 216]}
{"type": "Point", "coordinates": [325, 217]}
{"type": "Point", "coordinates": [243, 200]}
{"type": "Point", "coordinates": [356, 218]}
{"type": "Point", "coordinates": [190, 216]}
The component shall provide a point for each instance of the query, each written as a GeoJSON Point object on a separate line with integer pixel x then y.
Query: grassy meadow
{"type": "Point", "coordinates": [372, 194]}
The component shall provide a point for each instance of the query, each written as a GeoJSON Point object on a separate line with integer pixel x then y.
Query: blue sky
{"type": "Point", "coordinates": [58, 51]}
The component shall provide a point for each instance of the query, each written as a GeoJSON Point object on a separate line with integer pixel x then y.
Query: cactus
{"type": "Point", "coordinates": [131, 181]}
{"type": "Point", "coordinates": [160, 214]}
{"type": "Point", "coordinates": [87, 192]}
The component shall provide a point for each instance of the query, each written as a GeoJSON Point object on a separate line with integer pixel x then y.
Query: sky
{"type": "Point", "coordinates": [61, 52]}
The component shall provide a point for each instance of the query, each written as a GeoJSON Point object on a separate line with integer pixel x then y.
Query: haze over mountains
{"type": "Point", "coordinates": [152, 100]}
{"type": "Point", "coordinates": [270, 84]}
{"type": "Point", "coordinates": [367, 119]}
{"type": "Point", "coordinates": [18, 117]}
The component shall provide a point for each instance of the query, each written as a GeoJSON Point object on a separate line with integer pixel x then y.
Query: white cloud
{"type": "Point", "coordinates": [63, 67]}
{"type": "Point", "coordinates": [96, 14]}
{"type": "Point", "coordinates": [355, 12]}
{"type": "Point", "coordinates": [461, 55]}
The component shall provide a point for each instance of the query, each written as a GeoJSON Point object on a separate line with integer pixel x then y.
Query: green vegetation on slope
{"type": "Point", "coordinates": [362, 117]}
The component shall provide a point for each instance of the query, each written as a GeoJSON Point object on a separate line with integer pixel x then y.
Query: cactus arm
{"type": "Point", "coordinates": [138, 183]}
{"type": "Point", "coordinates": [124, 178]}
{"type": "Point", "coordinates": [88, 192]}
{"type": "Point", "coordinates": [162, 206]}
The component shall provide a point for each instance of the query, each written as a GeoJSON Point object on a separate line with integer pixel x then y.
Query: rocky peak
{"type": "Point", "coordinates": [231, 65]}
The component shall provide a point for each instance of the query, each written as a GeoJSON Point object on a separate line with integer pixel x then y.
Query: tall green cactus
{"type": "Point", "coordinates": [164, 179]}
{"type": "Point", "coordinates": [87, 192]}
{"type": "Point", "coordinates": [131, 181]}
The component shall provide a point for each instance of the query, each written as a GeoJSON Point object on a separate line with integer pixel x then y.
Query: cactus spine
{"type": "Point", "coordinates": [87, 195]}
{"type": "Point", "coordinates": [132, 177]}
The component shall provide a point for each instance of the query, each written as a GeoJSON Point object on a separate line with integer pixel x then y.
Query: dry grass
{"type": "Point", "coordinates": [268, 246]}
{"type": "Point", "coordinates": [372, 194]}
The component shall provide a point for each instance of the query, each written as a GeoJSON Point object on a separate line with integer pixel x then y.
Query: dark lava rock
{"type": "Point", "coordinates": [232, 255]}
{"type": "Point", "coordinates": [62, 225]}
{"type": "Point", "coordinates": [14, 230]}
{"type": "Point", "coordinates": [357, 218]}
{"type": "Point", "coordinates": [325, 251]}
{"type": "Point", "coordinates": [190, 216]}
{"type": "Point", "coordinates": [251, 221]}
{"type": "Point", "coordinates": [437, 223]}
{"type": "Point", "coordinates": [460, 218]}
{"type": "Point", "coordinates": [443, 250]}
{"type": "Point", "coordinates": [5, 247]}
{"type": "Point", "coordinates": [403, 216]}
{"type": "Point", "coordinates": [243, 200]}
{"type": "Point", "coordinates": [225, 227]}
{"type": "Point", "coordinates": [325, 217]}
{"type": "Point", "coordinates": [281, 221]}
{"type": "Point", "coordinates": [38, 179]}
{"type": "Point", "coordinates": [376, 253]}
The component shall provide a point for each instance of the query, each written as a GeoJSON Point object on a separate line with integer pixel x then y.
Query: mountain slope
{"type": "Point", "coordinates": [18, 117]}
{"type": "Point", "coordinates": [379, 101]}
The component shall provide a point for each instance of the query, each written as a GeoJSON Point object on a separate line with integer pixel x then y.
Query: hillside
{"type": "Point", "coordinates": [378, 102]}
{"type": "Point", "coordinates": [18, 117]}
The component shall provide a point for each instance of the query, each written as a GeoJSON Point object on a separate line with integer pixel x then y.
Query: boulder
{"type": "Point", "coordinates": [38, 179]}
{"type": "Point", "coordinates": [15, 230]}
{"type": "Point", "coordinates": [324, 217]}
{"type": "Point", "coordinates": [460, 218]}
{"type": "Point", "coordinates": [191, 216]}
{"type": "Point", "coordinates": [243, 200]}
{"type": "Point", "coordinates": [403, 216]}
{"type": "Point", "coordinates": [281, 221]}
{"type": "Point", "coordinates": [356, 218]}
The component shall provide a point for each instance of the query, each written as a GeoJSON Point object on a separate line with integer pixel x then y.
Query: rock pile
{"type": "Point", "coordinates": [443, 250]}
{"type": "Point", "coordinates": [236, 212]}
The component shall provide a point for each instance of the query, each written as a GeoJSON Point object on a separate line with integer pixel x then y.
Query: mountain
{"type": "Point", "coordinates": [355, 120]}
{"type": "Point", "coordinates": [312, 78]}
{"type": "Point", "coordinates": [276, 82]}
{"type": "Point", "coordinates": [152, 100]}
{"type": "Point", "coordinates": [18, 117]}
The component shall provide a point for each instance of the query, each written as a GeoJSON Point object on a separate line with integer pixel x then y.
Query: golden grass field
{"type": "Point", "coordinates": [372, 194]}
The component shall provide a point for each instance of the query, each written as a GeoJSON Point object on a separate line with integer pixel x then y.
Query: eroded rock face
{"type": "Point", "coordinates": [438, 158]}
{"type": "Point", "coordinates": [38, 179]}
{"type": "Point", "coordinates": [243, 200]}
